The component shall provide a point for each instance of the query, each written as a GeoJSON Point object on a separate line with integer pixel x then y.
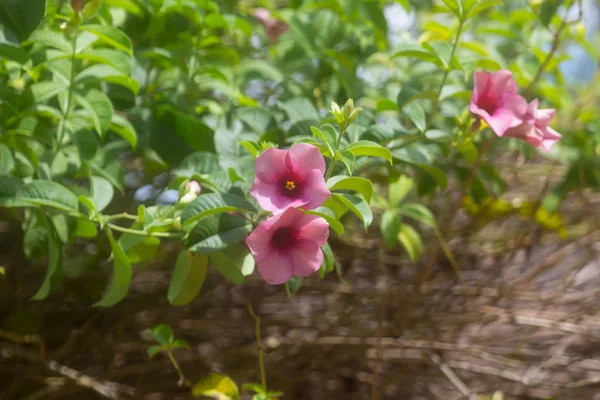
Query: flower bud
{"type": "Point", "coordinates": [348, 109]}
{"type": "Point", "coordinates": [77, 5]}
{"type": "Point", "coordinates": [189, 192]}
{"type": "Point", "coordinates": [193, 187]}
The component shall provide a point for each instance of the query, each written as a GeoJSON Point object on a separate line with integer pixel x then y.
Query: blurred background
{"type": "Point", "coordinates": [500, 302]}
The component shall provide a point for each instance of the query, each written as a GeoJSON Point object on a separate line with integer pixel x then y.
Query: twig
{"type": "Point", "coordinates": [452, 377]}
{"type": "Point", "coordinates": [110, 390]}
{"type": "Point", "coordinates": [261, 364]}
{"type": "Point", "coordinates": [555, 45]}
{"type": "Point", "coordinates": [14, 337]}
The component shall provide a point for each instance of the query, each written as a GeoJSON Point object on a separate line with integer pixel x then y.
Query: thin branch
{"type": "Point", "coordinates": [143, 233]}
{"type": "Point", "coordinates": [555, 45]}
{"type": "Point", "coordinates": [109, 390]}
{"type": "Point", "coordinates": [261, 364]}
{"type": "Point", "coordinates": [452, 377]}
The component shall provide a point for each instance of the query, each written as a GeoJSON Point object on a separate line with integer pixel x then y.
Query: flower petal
{"type": "Point", "coordinates": [315, 189]}
{"type": "Point", "coordinates": [550, 138]}
{"type": "Point", "coordinates": [287, 218]}
{"type": "Point", "coordinates": [277, 268]}
{"type": "Point", "coordinates": [270, 165]}
{"type": "Point", "coordinates": [303, 158]}
{"type": "Point", "coordinates": [481, 79]}
{"type": "Point", "coordinates": [270, 198]}
{"type": "Point", "coordinates": [307, 257]}
{"type": "Point", "coordinates": [312, 228]}
{"type": "Point", "coordinates": [502, 82]}
{"type": "Point", "coordinates": [259, 242]}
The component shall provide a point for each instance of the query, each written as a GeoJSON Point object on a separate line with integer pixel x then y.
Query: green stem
{"type": "Point", "coordinates": [61, 133]}
{"type": "Point", "coordinates": [461, 24]}
{"type": "Point", "coordinates": [261, 364]}
{"type": "Point", "coordinates": [142, 233]}
{"type": "Point", "coordinates": [182, 380]}
{"type": "Point", "coordinates": [123, 216]}
{"type": "Point", "coordinates": [333, 159]}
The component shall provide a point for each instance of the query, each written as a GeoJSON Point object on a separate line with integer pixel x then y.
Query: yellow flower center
{"type": "Point", "coordinates": [290, 185]}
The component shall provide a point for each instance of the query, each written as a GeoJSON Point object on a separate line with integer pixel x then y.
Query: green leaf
{"type": "Point", "coordinates": [111, 36]}
{"type": "Point", "coordinates": [320, 135]}
{"type": "Point", "coordinates": [454, 7]}
{"type": "Point", "coordinates": [99, 108]}
{"type": "Point", "coordinates": [358, 206]}
{"type": "Point", "coordinates": [390, 227]}
{"type": "Point", "coordinates": [121, 278]}
{"type": "Point", "coordinates": [548, 10]}
{"type": "Point", "coordinates": [328, 261]}
{"type": "Point", "coordinates": [102, 192]}
{"type": "Point", "coordinates": [399, 189]}
{"type": "Point", "coordinates": [47, 193]}
{"type": "Point", "coordinates": [217, 387]}
{"type": "Point", "coordinates": [55, 263]}
{"type": "Point", "coordinates": [415, 112]}
{"type": "Point", "coordinates": [346, 158]}
{"type": "Point", "coordinates": [293, 285]}
{"type": "Point", "coordinates": [85, 229]}
{"type": "Point", "coordinates": [50, 38]}
{"type": "Point", "coordinates": [254, 387]}
{"type": "Point", "coordinates": [414, 50]}
{"type": "Point", "coordinates": [354, 183]}
{"type": "Point", "coordinates": [13, 53]}
{"type": "Point", "coordinates": [206, 169]}
{"type": "Point", "coordinates": [329, 216]}
{"type": "Point", "coordinates": [9, 187]}
{"type": "Point", "coordinates": [155, 349]}
{"type": "Point", "coordinates": [180, 344]}
{"type": "Point", "coordinates": [23, 16]}
{"type": "Point", "coordinates": [442, 50]}
{"type": "Point", "coordinates": [234, 264]}
{"type": "Point", "coordinates": [163, 334]}
{"type": "Point", "coordinates": [123, 128]}
{"type": "Point", "coordinates": [217, 232]}
{"type": "Point", "coordinates": [108, 74]}
{"type": "Point", "coordinates": [419, 213]}
{"type": "Point", "coordinates": [44, 90]}
{"type": "Point", "coordinates": [300, 109]}
{"type": "Point", "coordinates": [188, 277]}
{"type": "Point", "coordinates": [411, 241]}
{"type": "Point", "coordinates": [469, 152]}
{"type": "Point", "coordinates": [7, 161]}
{"type": "Point", "coordinates": [114, 58]}
{"type": "Point", "coordinates": [368, 148]}
{"type": "Point", "coordinates": [214, 203]}
{"type": "Point", "coordinates": [482, 6]}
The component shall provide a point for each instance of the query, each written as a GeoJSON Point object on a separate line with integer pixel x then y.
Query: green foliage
{"type": "Point", "coordinates": [216, 386]}
{"type": "Point", "coordinates": [199, 90]}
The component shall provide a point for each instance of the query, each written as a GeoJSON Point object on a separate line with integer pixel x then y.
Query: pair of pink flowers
{"type": "Point", "coordinates": [496, 101]}
{"type": "Point", "coordinates": [289, 243]}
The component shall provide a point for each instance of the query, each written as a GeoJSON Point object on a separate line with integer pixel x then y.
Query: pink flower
{"type": "Point", "coordinates": [193, 187]}
{"type": "Point", "coordinates": [288, 244]}
{"type": "Point", "coordinates": [495, 99]}
{"type": "Point", "coordinates": [534, 129]}
{"type": "Point", "coordinates": [273, 27]}
{"type": "Point", "coordinates": [290, 178]}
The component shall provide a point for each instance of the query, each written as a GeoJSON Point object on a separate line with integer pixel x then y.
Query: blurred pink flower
{"type": "Point", "coordinates": [534, 129]}
{"type": "Point", "coordinates": [290, 178]}
{"type": "Point", "coordinates": [495, 99]}
{"type": "Point", "coordinates": [193, 187]}
{"type": "Point", "coordinates": [288, 244]}
{"type": "Point", "coordinates": [273, 27]}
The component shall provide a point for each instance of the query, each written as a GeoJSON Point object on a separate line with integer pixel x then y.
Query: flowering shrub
{"type": "Point", "coordinates": [204, 124]}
